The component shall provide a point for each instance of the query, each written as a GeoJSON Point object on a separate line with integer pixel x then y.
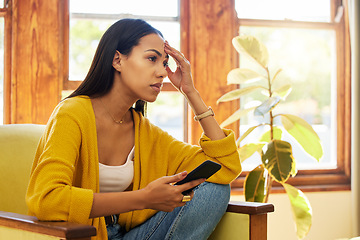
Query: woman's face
{"type": "Point", "coordinates": [143, 70]}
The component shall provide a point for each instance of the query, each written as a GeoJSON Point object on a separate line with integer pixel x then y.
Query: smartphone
{"type": "Point", "coordinates": [204, 170]}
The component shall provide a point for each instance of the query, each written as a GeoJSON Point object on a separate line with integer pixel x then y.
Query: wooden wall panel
{"type": "Point", "coordinates": [209, 27]}
{"type": "Point", "coordinates": [36, 59]}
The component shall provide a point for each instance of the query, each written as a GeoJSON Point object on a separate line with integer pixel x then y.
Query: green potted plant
{"type": "Point", "coordinates": [277, 160]}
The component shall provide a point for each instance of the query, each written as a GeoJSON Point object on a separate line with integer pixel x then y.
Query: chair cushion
{"type": "Point", "coordinates": [232, 226]}
{"type": "Point", "coordinates": [18, 143]}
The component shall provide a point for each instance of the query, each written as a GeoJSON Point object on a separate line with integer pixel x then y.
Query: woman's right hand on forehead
{"type": "Point", "coordinates": [181, 78]}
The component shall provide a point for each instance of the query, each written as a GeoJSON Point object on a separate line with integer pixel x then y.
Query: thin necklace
{"type": "Point", "coordinates": [115, 121]}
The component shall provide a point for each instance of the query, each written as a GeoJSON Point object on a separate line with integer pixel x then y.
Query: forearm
{"type": "Point", "coordinates": [105, 204]}
{"type": "Point", "coordinates": [159, 195]}
{"type": "Point", "coordinates": [209, 125]}
{"type": "Point", "coordinates": [182, 80]}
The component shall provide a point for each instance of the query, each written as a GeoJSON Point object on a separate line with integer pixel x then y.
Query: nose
{"type": "Point", "coordinates": [161, 72]}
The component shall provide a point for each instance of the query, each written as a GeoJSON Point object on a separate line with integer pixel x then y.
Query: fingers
{"type": "Point", "coordinates": [183, 187]}
{"type": "Point", "coordinates": [180, 176]}
{"type": "Point", "coordinates": [169, 72]}
{"type": "Point", "coordinates": [189, 185]}
{"type": "Point", "coordinates": [162, 195]}
{"type": "Point", "coordinates": [178, 56]}
{"type": "Point", "coordinates": [175, 178]}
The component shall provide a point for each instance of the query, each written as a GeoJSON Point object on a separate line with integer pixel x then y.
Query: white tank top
{"type": "Point", "coordinates": [117, 178]}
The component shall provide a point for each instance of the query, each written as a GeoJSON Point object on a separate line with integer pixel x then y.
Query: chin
{"type": "Point", "coordinates": [151, 99]}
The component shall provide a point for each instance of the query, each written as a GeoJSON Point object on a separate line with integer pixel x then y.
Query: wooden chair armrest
{"type": "Point", "coordinates": [251, 208]}
{"type": "Point", "coordinates": [64, 230]}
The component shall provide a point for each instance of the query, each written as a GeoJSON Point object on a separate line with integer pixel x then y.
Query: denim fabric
{"type": "Point", "coordinates": [196, 220]}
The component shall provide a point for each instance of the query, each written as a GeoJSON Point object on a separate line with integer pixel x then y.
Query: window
{"type": "Point", "coordinates": [89, 20]}
{"type": "Point", "coordinates": [306, 40]}
{"type": "Point", "coordinates": [206, 31]}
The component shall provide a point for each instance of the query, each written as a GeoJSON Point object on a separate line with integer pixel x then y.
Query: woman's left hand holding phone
{"type": "Point", "coordinates": [163, 195]}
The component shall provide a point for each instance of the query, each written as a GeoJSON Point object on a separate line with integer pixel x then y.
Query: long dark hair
{"type": "Point", "coordinates": [123, 35]}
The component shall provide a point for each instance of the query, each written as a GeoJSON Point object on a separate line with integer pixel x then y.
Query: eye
{"type": "Point", "coordinates": [166, 64]}
{"type": "Point", "coordinates": [153, 59]}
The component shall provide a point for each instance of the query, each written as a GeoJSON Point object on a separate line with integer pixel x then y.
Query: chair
{"type": "Point", "coordinates": [18, 143]}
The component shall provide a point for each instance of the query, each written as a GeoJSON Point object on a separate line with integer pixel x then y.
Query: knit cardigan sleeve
{"type": "Point", "coordinates": [186, 157]}
{"type": "Point", "coordinates": [54, 192]}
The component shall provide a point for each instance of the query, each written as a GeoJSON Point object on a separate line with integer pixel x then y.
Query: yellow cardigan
{"type": "Point", "coordinates": [65, 172]}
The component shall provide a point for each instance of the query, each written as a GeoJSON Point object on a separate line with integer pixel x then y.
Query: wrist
{"type": "Point", "coordinates": [190, 93]}
{"type": "Point", "coordinates": [142, 199]}
{"type": "Point", "coordinates": [203, 115]}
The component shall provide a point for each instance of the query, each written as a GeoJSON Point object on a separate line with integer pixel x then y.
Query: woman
{"type": "Point", "coordinates": [101, 162]}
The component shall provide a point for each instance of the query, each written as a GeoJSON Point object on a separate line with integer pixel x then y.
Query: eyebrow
{"type": "Point", "coordinates": [157, 52]}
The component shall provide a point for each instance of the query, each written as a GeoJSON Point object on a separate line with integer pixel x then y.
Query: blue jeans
{"type": "Point", "coordinates": [196, 220]}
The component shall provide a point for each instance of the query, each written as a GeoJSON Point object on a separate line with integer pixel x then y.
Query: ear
{"type": "Point", "coordinates": [116, 63]}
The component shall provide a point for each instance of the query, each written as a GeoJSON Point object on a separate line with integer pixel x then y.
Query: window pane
{"type": "Point", "coordinates": [167, 113]}
{"type": "Point", "coordinates": [304, 10]}
{"type": "Point", "coordinates": [308, 62]}
{"type": "Point", "coordinates": [84, 38]}
{"type": "Point", "coordinates": [85, 34]}
{"type": "Point", "coordinates": [168, 8]}
{"type": "Point", "coordinates": [1, 70]}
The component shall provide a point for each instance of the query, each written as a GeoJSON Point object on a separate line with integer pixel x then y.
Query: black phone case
{"type": "Point", "coordinates": [204, 170]}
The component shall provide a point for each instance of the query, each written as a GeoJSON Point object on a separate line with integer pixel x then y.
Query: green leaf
{"type": "Point", "coordinates": [304, 134]}
{"type": "Point", "coordinates": [278, 160]}
{"type": "Point", "coordinates": [266, 136]}
{"type": "Point", "coordinates": [236, 116]}
{"type": "Point", "coordinates": [255, 185]}
{"type": "Point", "coordinates": [249, 149]}
{"type": "Point", "coordinates": [283, 91]}
{"type": "Point", "coordinates": [248, 132]}
{"type": "Point", "coordinates": [239, 76]}
{"type": "Point", "coordinates": [301, 208]}
{"type": "Point", "coordinates": [266, 106]}
{"type": "Point", "coordinates": [237, 93]}
{"type": "Point", "coordinates": [253, 48]}
{"type": "Point", "coordinates": [294, 170]}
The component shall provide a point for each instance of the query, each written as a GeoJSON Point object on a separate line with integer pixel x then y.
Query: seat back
{"type": "Point", "coordinates": [18, 143]}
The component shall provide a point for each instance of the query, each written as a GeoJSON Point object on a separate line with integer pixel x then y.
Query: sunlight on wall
{"type": "Point", "coordinates": [331, 216]}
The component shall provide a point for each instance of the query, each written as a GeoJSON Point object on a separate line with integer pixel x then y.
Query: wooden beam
{"type": "Point", "coordinates": [258, 227]}
{"type": "Point", "coordinates": [257, 216]}
{"type": "Point", "coordinates": [207, 30]}
{"type": "Point", "coordinates": [36, 60]}
{"type": "Point", "coordinates": [7, 63]}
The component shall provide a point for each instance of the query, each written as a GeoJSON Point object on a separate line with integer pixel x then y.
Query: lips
{"type": "Point", "coordinates": [157, 87]}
